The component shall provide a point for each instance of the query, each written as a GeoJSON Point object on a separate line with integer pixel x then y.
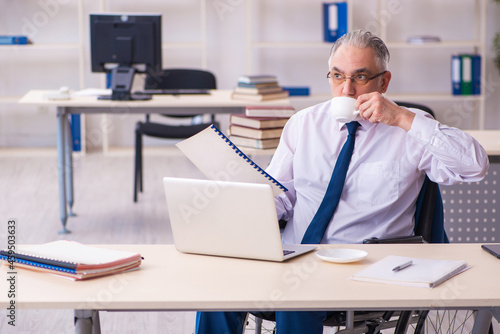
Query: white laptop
{"type": "Point", "coordinates": [226, 219]}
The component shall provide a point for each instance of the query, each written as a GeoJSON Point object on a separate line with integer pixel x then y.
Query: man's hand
{"type": "Point", "coordinates": [378, 109]}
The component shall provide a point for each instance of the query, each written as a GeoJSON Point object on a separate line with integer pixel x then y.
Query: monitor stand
{"type": "Point", "coordinates": [121, 83]}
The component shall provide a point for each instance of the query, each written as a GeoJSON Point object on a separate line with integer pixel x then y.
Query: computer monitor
{"type": "Point", "coordinates": [125, 44]}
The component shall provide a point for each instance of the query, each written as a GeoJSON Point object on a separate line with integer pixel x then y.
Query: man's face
{"type": "Point", "coordinates": [350, 61]}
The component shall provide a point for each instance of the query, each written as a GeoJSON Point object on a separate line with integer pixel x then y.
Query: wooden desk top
{"type": "Point", "coordinates": [489, 139]}
{"type": "Point", "coordinates": [216, 98]}
{"type": "Point", "coordinates": [170, 280]}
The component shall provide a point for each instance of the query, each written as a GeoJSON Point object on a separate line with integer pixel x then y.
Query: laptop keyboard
{"type": "Point", "coordinates": [286, 252]}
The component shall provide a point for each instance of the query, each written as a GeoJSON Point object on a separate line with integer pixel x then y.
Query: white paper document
{"type": "Point", "coordinates": [421, 273]}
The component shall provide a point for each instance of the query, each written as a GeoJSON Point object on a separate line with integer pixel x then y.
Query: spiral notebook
{"type": "Point", "coordinates": [71, 259]}
{"type": "Point", "coordinates": [219, 159]}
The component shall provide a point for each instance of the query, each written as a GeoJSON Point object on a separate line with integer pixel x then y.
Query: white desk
{"type": "Point", "coordinates": [489, 139]}
{"type": "Point", "coordinates": [169, 280]}
{"type": "Point", "coordinates": [219, 101]}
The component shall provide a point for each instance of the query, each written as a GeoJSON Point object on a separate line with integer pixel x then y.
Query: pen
{"type": "Point", "coordinates": [402, 266]}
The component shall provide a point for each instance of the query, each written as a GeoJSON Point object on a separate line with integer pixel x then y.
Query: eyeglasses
{"type": "Point", "coordinates": [360, 79]}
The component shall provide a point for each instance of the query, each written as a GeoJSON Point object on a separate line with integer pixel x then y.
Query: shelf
{"type": "Point", "coordinates": [290, 44]}
{"type": "Point", "coordinates": [22, 152]}
{"type": "Point", "coordinates": [402, 96]}
{"type": "Point", "coordinates": [399, 45]}
{"type": "Point", "coordinates": [10, 98]}
{"type": "Point", "coordinates": [54, 46]}
{"type": "Point", "coordinates": [192, 45]}
{"type": "Point", "coordinates": [456, 44]}
{"type": "Point", "coordinates": [434, 97]}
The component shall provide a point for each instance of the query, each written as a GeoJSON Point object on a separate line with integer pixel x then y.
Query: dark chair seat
{"type": "Point", "coordinates": [174, 131]}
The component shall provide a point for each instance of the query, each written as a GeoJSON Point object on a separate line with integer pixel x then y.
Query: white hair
{"type": "Point", "coordinates": [363, 39]}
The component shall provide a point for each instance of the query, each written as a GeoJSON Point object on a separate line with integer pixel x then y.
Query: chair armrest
{"type": "Point", "coordinates": [413, 239]}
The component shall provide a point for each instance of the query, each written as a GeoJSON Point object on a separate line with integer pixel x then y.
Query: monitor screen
{"type": "Point", "coordinates": [124, 44]}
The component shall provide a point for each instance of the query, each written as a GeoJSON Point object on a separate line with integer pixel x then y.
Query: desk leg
{"type": "Point", "coordinates": [349, 321]}
{"type": "Point", "coordinates": [62, 120]}
{"type": "Point", "coordinates": [495, 311]}
{"type": "Point", "coordinates": [68, 151]}
{"type": "Point", "coordinates": [87, 322]}
{"type": "Point", "coordinates": [482, 322]}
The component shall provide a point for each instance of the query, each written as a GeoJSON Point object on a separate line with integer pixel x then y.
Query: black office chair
{"type": "Point", "coordinates": [171, 79]}
{"type": "Point", "coordinates": [429, 227]}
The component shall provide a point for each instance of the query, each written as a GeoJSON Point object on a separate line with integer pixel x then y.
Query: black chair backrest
{"type": "Point", "coordinates": [424, 224]}
{"type": "Point", "coordinates": [415, 105]}
{"type": "Point", "coordinates": [181, 79]}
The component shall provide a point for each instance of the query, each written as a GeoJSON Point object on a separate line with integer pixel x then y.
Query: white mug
{"type": "Point", "coordinates": [344, 109]}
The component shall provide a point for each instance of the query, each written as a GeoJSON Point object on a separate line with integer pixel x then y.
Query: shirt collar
{"type": "Point", "coordinates": [363, 124]}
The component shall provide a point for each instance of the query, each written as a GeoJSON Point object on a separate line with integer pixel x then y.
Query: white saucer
{"type": "Point", "coordinates": [341, 255]}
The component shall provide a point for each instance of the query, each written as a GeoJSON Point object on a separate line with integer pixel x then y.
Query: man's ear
{"type": "Point", "coordinates": [386, 78]}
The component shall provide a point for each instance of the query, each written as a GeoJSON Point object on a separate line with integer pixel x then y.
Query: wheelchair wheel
{"type": "Point", "coordinates": [445, 322]}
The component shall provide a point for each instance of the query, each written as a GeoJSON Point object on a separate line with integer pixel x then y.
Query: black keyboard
{"type": "Point", "coordinates": [286, 252]}
{"type": "Point", "coordinates": [173, 91]}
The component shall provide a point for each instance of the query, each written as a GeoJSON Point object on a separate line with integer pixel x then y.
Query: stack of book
{"type": "Point", "coordinates": [262, 131]}
{"type": "Point", "coordinates": [71, 259]}
{"type": "Point", "coordinates": [258, 88]}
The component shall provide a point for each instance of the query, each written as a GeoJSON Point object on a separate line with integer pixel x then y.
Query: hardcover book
{"type": "Point", "coordinates": [255, 143]}
{"type": "Point", "coordinates": [258, 85]}
{"type": "Point", "coordinates": [258, 90]}
{"type": "Point", "coordinates": [269, 111]}
{"type": "Point", "coordinates": [258, 122]}
{"type": "Point", "coordinates": [242, 131]}
{"type": "Point", "coordinates": [257, 79]}
{"type": "Point", "coordinates": [260, 97]}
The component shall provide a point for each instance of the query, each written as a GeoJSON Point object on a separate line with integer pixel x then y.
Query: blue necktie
{"type": "Point", "coordinates": [317, 227]}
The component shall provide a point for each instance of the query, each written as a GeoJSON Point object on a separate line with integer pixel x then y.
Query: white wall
{"type": "Point", "coordinates": [56, 21]}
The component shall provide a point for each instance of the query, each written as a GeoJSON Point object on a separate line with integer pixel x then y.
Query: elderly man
{"type": "Point", "coordinates": [391, 150]}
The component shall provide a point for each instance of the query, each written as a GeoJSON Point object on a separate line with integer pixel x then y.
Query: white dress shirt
{"type": "Point", "coordinates": [385, 174]}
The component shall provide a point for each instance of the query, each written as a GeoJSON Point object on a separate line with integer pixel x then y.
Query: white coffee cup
{"type": "Point", "coordinates": [344, 109]}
